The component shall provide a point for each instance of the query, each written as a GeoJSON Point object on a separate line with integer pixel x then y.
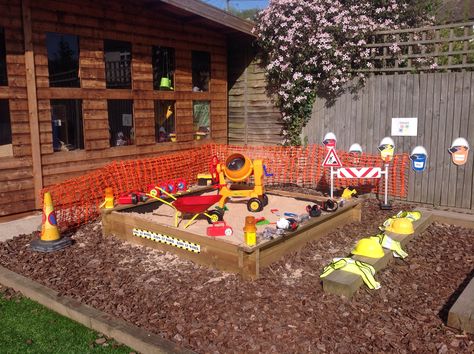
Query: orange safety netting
{"type": "Point", "coordinates": [77, 200]}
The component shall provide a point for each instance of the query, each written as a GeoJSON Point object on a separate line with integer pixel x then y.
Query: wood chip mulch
{"type": "Point", "coordinates": [286, 311]}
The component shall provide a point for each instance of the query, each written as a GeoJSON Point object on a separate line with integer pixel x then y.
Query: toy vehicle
{"type": "Point", "coordinates": [195, 204]}
{"type": "Point", "coordinates": [219, 228]}
{"type": "Point", "coordinates": [132, 198]}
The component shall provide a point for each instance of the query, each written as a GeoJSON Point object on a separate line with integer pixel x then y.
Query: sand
{"type": "Point", "coordinates": [234, 217]}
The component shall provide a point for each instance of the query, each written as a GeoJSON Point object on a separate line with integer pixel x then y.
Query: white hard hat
{"type": "Point", "coordinates": [419, 150]}
{"type": "Point", "coordinates": [387, 141]}
{"type": "Point", "coordinates": [355, 148]}
{"type": "Point", "coordinates": [330, 136]}
{"type": "Point", "coordinates": [460, 142]}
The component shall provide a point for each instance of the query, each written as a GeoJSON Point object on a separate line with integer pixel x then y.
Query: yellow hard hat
{"type": "Point", "coordinates": [368, 247]}
{"type": "Point", "coordinates": [403, 226]}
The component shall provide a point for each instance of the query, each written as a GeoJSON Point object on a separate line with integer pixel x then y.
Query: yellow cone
{"type": "Point", "coordinates": [49, 230]}
{"type": "Point", "coordinates": [109, 199]}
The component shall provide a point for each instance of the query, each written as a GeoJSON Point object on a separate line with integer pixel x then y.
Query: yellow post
{"type": "Point", "coordinates": [49, 229]}
{"type": "Point", "coordinates": [109, 199]}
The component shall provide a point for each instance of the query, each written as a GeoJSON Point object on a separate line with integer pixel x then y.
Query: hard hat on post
{"type": "Point", "coordinates": [459, 151]}
{"type": "Point", "coordinates": [368, 247]}
{"type": "Point", "coordinates": [330, 141]}
{"type": "Point", "coordinates": [355, 148]}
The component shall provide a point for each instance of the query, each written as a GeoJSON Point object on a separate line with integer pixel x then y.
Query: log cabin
{"type": "Point", "coordinates": [83, 83]}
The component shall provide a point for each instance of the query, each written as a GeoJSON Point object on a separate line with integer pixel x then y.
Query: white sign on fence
{"type": "Point", "coordinates": [404, 126]}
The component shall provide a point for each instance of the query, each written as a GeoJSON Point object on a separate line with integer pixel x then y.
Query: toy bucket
{"type": "Point", "coordinates": [165, 83]}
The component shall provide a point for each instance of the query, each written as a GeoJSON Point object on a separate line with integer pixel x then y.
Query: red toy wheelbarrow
{"type": "Point", "coordinates": [196, 204]}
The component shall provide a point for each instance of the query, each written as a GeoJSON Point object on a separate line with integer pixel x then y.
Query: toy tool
{"type": "Point", "coordinates": [219, 228]}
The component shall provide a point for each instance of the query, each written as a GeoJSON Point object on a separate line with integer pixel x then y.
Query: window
{"type": "Point", "coordinates": [121, 122]}
{"type": "Point", "coordinates": [201, 62]}
{"type": "Point", "coordinates": [3, 59]}
{"type": "Point", "coordinates": [201, 119]}
{"type": "Point", "coordinates": [118, 59]}
{"type": "Point", "coordinates": [163, 68]}
{"type": "Point", "coordinates": [165, 121]}
{"type": "Point", "coordinates": [5, 130]}
{"type": "Point", "coordinates": [66, 118]}
{"type": "Point", "coordinates": [63, 60]}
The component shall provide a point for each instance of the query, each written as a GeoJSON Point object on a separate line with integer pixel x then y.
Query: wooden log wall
{"type": "Point", "coordinates": [93, 21]}
{"type": "Point", "coordinates": [253, 117]}
{"type": "Point", "coordinates": [16, 172]}
{"type": "Point", "coordinates": [444, 106]}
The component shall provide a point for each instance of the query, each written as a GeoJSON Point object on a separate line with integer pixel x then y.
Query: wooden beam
{"type": "Point", "coordinates": [32, 101]}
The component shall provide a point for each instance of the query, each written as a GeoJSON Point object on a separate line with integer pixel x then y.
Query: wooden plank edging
{"type": "Point", "coordinates": [344, 283]}
{"type": "Point", "coordinates": [461, 314]}
{"type": "Point", "coordinates": [128, 334]}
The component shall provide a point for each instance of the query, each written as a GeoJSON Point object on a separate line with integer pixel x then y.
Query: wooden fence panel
{"type": "Point", "coordinates": [444, 106]}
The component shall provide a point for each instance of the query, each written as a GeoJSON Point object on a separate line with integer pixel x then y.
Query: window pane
{"type": "Point", "coordinates": [5, 127]}
{"type": "Point", "coordinates": [66, 118]}
{"type": "Point", "coordinates": [163, 68]}
{"type": "Point", "coordinates": [3, 59]}
{"type": "Point", "coordinates": [121, 122]}
{"type": "Point", "coordinates": [201, 71]}
{"type": "Point", "coordinates": [118, 59]}
{"type": "Point", "coordinates": [63, 60]}
{"type": "Point", "coordinates": [201, 119]}
{"type": "Point", "coordinates": [165, 121]}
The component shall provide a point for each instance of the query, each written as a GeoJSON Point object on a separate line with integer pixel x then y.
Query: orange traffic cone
{"type": "Point", "coordinates": [50, 239]}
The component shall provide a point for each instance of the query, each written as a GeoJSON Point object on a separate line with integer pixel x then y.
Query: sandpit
{"type": "Point", "coordinates": [152, 225]}
{"type": "Point", "coordinates": [234, 216]}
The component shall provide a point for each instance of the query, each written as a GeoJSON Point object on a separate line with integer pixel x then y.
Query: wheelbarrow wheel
{"type": "Point", "coordinates": [215, 216]}
{"type": "Point", "coordinates": [254, 205]}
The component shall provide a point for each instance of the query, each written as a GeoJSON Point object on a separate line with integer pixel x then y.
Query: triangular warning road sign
{"type": "Point", "coordinates": [331, 159]}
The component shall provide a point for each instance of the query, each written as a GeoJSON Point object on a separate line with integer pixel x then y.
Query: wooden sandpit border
{"type": "Point", "coordinates": [215, 253]}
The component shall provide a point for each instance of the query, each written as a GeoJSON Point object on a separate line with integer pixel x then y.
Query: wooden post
{"type": "Point", "coordinates": [32, 102]}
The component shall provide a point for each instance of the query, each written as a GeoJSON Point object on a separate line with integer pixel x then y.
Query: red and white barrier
{"type": "Point", "coordinates": [359, 172]}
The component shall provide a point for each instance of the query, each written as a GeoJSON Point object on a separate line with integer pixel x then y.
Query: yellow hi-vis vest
{"type": "Point", "coordinates": [389, 243]}
{"type": "Point", "coordinates": [365, 270]}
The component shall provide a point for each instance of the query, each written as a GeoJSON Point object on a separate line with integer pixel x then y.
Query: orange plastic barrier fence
{"type": "Point", "coordinates": [77, 200]}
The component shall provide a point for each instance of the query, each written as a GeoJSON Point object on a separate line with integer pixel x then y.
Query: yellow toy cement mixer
{"type": "Point", "coordinates": [238, 168]}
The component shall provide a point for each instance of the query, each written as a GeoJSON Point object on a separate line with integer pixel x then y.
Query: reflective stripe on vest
{"type": "Point", "coordinates": [365, 270]}
{"type": "Point", "coordinates": [389, 243]}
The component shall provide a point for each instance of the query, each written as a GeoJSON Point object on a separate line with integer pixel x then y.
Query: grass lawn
{"type": "Point", "coordinates": [28, 327]}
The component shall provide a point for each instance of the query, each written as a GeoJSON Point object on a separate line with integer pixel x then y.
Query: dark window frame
{"type": "Point", "coordinates": [6, 137]}
{"type": "Point", "coordinates": [200, 131]}
{"type": "Point", "coordinates": [65, 66]}
{"type": "Point", "coordinates": [164, 66]}
{"type": "Point", "coordinates": [121, 67]}
{"type": "Point", "coordinates": [199, 66]}
{"type": "Point", "coordinates": [75, 128]}
{"type": "Point", "coordinates": [128, 134]}
{"type": "Point", "coordinates": [159, 134]}
{"type": "Point", "coordinates": [3, 59]}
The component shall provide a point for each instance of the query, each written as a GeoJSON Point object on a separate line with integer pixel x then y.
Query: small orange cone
{"type": "Point", "coordinates": [50, 239]}
{"type": "Point", "coordinates": [49, 229]}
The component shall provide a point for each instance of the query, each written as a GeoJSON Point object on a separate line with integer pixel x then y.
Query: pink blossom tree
{"type": "Point", "coordinates": [314, 47]}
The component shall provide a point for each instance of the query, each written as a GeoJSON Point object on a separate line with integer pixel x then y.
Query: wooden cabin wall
{"type": "Point", "coordinates": [253, 117]}
{"type": "Point", "coordinates": [93, 21]}
{"type": "Point", "coordinates": [16, 172]}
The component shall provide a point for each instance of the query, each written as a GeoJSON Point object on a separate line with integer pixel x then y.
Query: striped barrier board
{"type": "Point", "coordinates": [359, 172]}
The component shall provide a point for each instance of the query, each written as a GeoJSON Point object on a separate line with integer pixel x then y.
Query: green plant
{"type": "Point", "coordinates": [313, 47]}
